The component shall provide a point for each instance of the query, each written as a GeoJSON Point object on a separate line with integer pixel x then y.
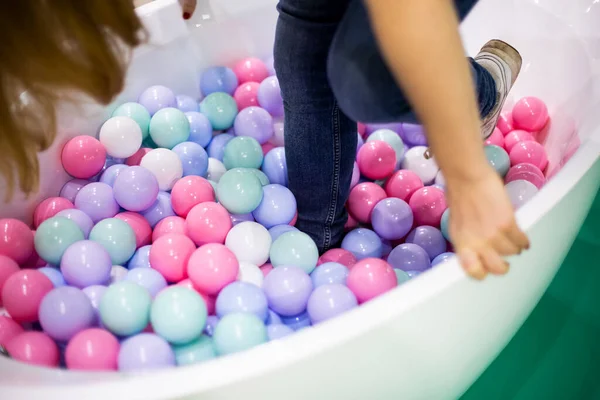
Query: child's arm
{"type": "Point", "coordinates": [420, 41]}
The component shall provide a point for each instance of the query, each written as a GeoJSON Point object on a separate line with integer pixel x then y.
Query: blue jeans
{"type": "Point", "coordinates": [332, 74]}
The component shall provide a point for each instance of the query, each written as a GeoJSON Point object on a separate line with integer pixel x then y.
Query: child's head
{"type": "Point", "coordinates": [47, 47]}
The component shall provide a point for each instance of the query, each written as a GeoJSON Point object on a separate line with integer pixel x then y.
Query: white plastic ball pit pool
{"type": "Point", "coordinates": [429, 339]}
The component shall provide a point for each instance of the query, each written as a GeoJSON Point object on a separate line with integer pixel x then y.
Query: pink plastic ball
{"type": "Point", "coordinates": [340, 256]}
{"type": "Point", "coordinates": [527, 172]}
{"type": "Point", "coordinates": [363, 198]}
{"type": "Point", "coordinates": [9, 329]}
{"type": "Point", "coordinates": [172, 224]}
{"type": "Point", "coordinates": [23, 292]}
{"type": "Point", "coordinates": [208, 223]}
{"type": "Point", "coordinates": [515, 137]}
{"type": "Point", "coordinates": [530, 114]}
{"type": "Point", "coordinates": [83, 157]}
{"type": "Point", "coordinates": [250, 69]}
{"type": "Point", "coordinates": [266, 268]}
{"type": "Point", "coordinates": [428, 204]}
{"type": "Point", "coordinates": [403, 184]}
{"type": "Point", "coordinates": [136, 158]}
{"type": "Point", "coordinates": [49, 208]}
{"type": "Point", "coordinates": [361, 128]}
{"type": "Point", "coordinates": [505, 122]}
{"type": "Point", "coordinates": [246, 95]}
{"type": "Point", "coordinates": [190, 191]}
{"type": "Point", "coordinates": [8, 266]}
{"type": "Point", "coordinates": [16, 240]}
{"type": "Point", "coordinates": [376, 159]}
{"type": "Point", "coordinates": [294, 220]}
{"type": "Point", "coordinates": [139, 224]}
{"type": "Point", "coordinates": [266, 147]}
{"type": "Point", "coordinates": [169, 255]}
{"type": "Point", "coordinates": [496, 138]}
{"type": "Point", "coordinates": [530, 152]}
{"type": "Point", "coordinates": [370, 278]}
{"type": "Point", "coordinates": [208, 300]}
{"type": "Point", "coordinates": [212, 267]}
{"type": "Point", "coordinates": [35, 348]}
{"type": "Point", "coordinates": [34, 260]}
{"type": "Point", "coordinates": [93, 350]}
{"type": "Point", "coordinates": [351, 223]}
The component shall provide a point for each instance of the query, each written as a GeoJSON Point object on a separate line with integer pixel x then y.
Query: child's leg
{"type": "Point", "coordinates": [320, 140]}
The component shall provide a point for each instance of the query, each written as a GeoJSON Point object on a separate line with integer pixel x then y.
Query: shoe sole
{"type": "Point", "coordinates": [508, 54]}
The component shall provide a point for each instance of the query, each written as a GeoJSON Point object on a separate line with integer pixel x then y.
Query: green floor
{"type": "Point", "coordinates": [556, 354]}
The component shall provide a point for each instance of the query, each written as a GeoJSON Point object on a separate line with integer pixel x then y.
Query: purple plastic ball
{"type": "Point", "coordinates": [278, 331]}
{"type": "Point", "coordinates": [239, 218]}
{"type": "Point", "coordinates": [141, 258]}
{"type": "Point", "coordinates": [110, 174]}
{"type": "Point", "coordinates": [145, 351]}
{"type": "Point", "coordinates": [413, 135]}
{"type": "Point", "coordinates": [242, 297]}
{"type": "Point", "coordinates": [269, 96]}
{"type": "Point", "coordinates": [160, 210]}
{"type": "Point", "coordinates": [279, 230]}
{"type": "Point", "coordinates": [287, 290]}
{"type": "Point", "coordinates": [277, 207]}
{"type": "Point", "coordinates": [216, 147]}
{"type": "Point", "coordinates": [64, 312]}
{"type": "Point", "coordinates": [393, 126]}
{"type": "Point", "coordinates": [193, 158]}
{"type": "Point", "coordinates": [211, 323]}
{"type": "Point", "coordinates": [386, 248]}
{"type": "Point", "coordinates": [156, 97]}
{"type": "Point", "coordinates": [297, 322]}
{"type": "Point", "coordinates": [328, 301]}
{"type": "Point", "coordinates": [186, 103]}
{"type": "Point", "coordinates": [428, 238]}
{"type": "Point", "coordinates": [392, 218]}
{"type": "Point", "coordinates": [200, 128]}
{"type": "Point", "coordinates": [363, 243]}
{"type": "Point", "coordinates": [254, 122]}
{"type": "Point", "coordinates": [218, 79]}
{"type": "Point", "coordinates": [97, 200]}
{"type": "Point", "coordinates": [86, 263]}
{"type": "Point", "coordinates": [273, 318]}
{"type": "Point", "coordinates": [135, 188]}
{"type": "Point", "coordinates": [409, 257]}
{"type": "Point", "coordinates": [70, 189]}
{"type": "Point", "coordinates": [442, 258]}
{"type": "Point", "coordinates": [148, 278]}
{"type": "Point", "coordinates": [275, 167]}
{"type": "Point", "coordinates": [54, 275]}
{"type": "Point", "coordinates": [94, 294]}
{"type": "Point", "coordinates": [83, 221]}
{"type": "Point", "coordinates": [328, 273]}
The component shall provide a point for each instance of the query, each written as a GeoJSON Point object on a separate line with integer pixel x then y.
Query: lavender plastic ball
{"type": "Point", "coordinates": [135, 188]}
{"type": "Point", "coordinates": [392, 218]}
{"type": "Point", "coordinates": [71, 188]}
{"type": "Point", "coordinates": [94, 294]}
{"type": "Point", "coordinates": [428, 238]}
{"type": "Point", "coordinates": [273, 318]}
{"type": "Point", "coordinates": [328, 301]}
{"type": "Point", "coordinates": [218, 79]}
{"type": "Point", "coordinates": [254, 122]}
{"type": "Point", "coordinates": [279, 230]}
{"type": "Point", "coordinates": [211, 323]}
{"type": "Point", "coordinates": [200, 128]}
{"type": "Point", "coordinates": [110, 174]}
{"type": "Point", "coordinates": [359, 142]}
{"type": "Point", "coordinates": [277, 207]}
{"type": "Point", "coordinates": [118, 273]}
{"type": "Point", "coordinates": [297, 322]}
{"type": "Point", "coordinates": [328, 273]}
{"type": "Point", "coordinates": [442, 258]}
{"type": "Point", "coordinates": [83, 221]}
{"type": "Point", "coordinates": [413, 135]}
{"type": "Point", "coordinates": [64, 312]}
{"type": "Point", "coordinates": [287, 290]}
{"type": "Point", "coordinates": [145, 351]}
{"type": "Point", "coordinates": [239, 218]}
{"type": "Point", "coordinates": [160, 210]}
{"type": "Point", "coordinates": [278, 331]}
{"type": "Point", "coordinates": [157, 97]}
{"type": "Point", "coordinates": [148, 278]}
{"type": "Point", "coordinates": [186, 103]}
{"type": "Point", "coordinates": [97, 200]}
{"type": "Point", "coordinates": [86, 263]}
{"type": "Point", "coordinates": [269, 96]}
{"type": "Point", "coordinates": [193, 158]}
{"type": "Point", "coordinates": [216, 147]}
{"type": "Point", "coordinates": [275, 167]}
{"type": "Point", "coordinates": [242, 297]}
{"type": "Point", "coordinates": [141, 258]}
{"type": "Point", "coordinates": [54, 275]}
{"type": "Point", "coordinates": [409, 257]}
{"type": "Point", "coordinates": [363, 243]}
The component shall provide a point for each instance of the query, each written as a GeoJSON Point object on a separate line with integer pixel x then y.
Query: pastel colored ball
{"type": "Point", "coordinates": [165, 165]}
{"type": "Point", "coordinates": [137, 112]}
{"type": "Point", "coordinates": [218, 79]}
{"type": "Point", "coordinates": [429, 239]}
{"type": "Point", "coordinates": [23, 292]}
{"type": "Point", "coordinates": [220, 109]}
{"type": "Point", "coordinates": [120, 136]}
{"type": "Point", "coordinates": [16, 240]}
{"type": "Point", "coordinates": [49, 208]}
{"type": "Point", "coordinates": [527, 172]}
{"type": "Point", "coordinates": [409, 257]}
{"type": "Point", "coordinates": [362, 200]}
{"type": "Point", "coordinates": [169, 225]}
{"type": "Point", "coordinates": [245, 95]}
{"type": "Point", "coordinates": [269, 96]}
{"type": "Point", "coordinates": [216, 147]}
{"type": "Point", "coordinates": [64, 312]}
{"type": "Point", "coordinates": [445, 224]}
{"type": "Point", "coordinates": [340, 256]}
{"type": "Point", "coordinates": [194, 159]}
{"type": "Point", "coordinates": [530, 114]}
{"type": "Point", "coordinates": [169, 127]}
{"type": "Point", "coordinates": [34, 348]}
{"type": "Point", "coordinates": [295, 248]}
{"type": "Point", "coordinates": [297, 322]}
{"type": "Point", "coordinates": [275, 167]}
{"type": "Point", "coordinates": [250, 242]}
{"type": "Point", "coordinates": [239, 191]}
{"type": "Point", "coordinates": [401, 276]}
{"type": "Point", "coordinates": [97, 200]}
{"type": "Point", "coordinates": [250, 69]}
{"type": "Point", "coordinates": [110, 174]}
{"type": "Point", "coordinates": [197, 351]}
{"type": "Point", "coordinates": [160, 210]}
{"type": "Point", "coordinates": [242, 152]}
{"type": "Point", "coordinates": [83, 157]}
{"type": "Point", "coordinates": [71, 188]}
{"type": "Point", "coordinates": [287, 289]}
{"type": "Point", "coordinates": [498, 158]}
{"type": "Point", "coordinates": [505, 122]}
{"type": "Point", "coordinates": [86, 263]}
{"type": "Point", "coordinates": [141, 228]}
{"type": "Point", "coordinates": [415, 161]}
{"type": "Point", "coordinates": [94, 293]}
{"type": "Point", "coordinates": [117, 273]}
{"type": "Point", "coordinates": [135, 188]}
{"type": "Point", "coordinates": [370, 278]}
{"type": "Point", "coordinates": [392, 218]}
{"type": "Point", "coordinates": [216, 170]}
{"type": "Point", "coordinates": [254, 122]}
{"type": "Point", "coordinates": [363, 243]}
{"type": "Point", "coordinates": [329, 301]}
{"type": "Point", "coordinates": [278, 138]}
{"type": "Point", "coordinates": [92, 350]}
{"type": "Point", "coordinates": [53, 237]}
{"type": "Point", "coordinates": [391, 138]}
{"type": "Point", "coordinates": [520, 192]}
{"type": "Point", "coordinates": [329, 273]}
{"type": "Point", "coordinates": [208, 222]}
{"type": "Point", "coordinates": [144, 352]}
{"type": "Point", "coordinates": [7, 267]}
{"type": "Point", "coordinates": [141, 258]}
{"type": "Point", "coordinates": [148, 278]}
{"type": "Point", "coordinates": [117, 237]}
{"type": "Point", "coordinates": [178, 315]}
{"type": "Point", "coordinates": [530, 152]}
{"type": "Point", "coordinates": [516, 136]}
{"type": "Point", "coordinates": [428, 204]}
{"type": "Point", "coordinates": [200, 128]}
{"type": "Point", "coordinates": [238, 332]}
{"type": "Point", "coordinates": [250, 273]}
{"type": "Point", "coordinates": [169, 255]}
{"type": "Point", "coordinates": [441, 258]}
{"type": "Point", "coordinates": [376, 159]}
{"type": "Point", "coordinates": [412, 134]}
{"type": "Point", "coordinates": [496, 138]}
{"type": "Point", "coordinates": [278, 331]}
{"type": "Point", "coordinates": [277, 207]}
{"type": "Point", "coordinates": [212, 267]}
{"type": "Point", "coordinates": [9, 329]}
{"type": "Point", "coordinates": [190, 191]}
{"type": "Point", "coordinates": [402, 184]}
{"type": "Point", "coordinates": [83, 221]}
{"type": "Point", "coordinates": [186, 103]}
{"type": "Point", "coordinates": [279, 230]}
{"type": "Point", "coordinates": [125, 308]}
{"type": "Point", "coordinates": [156, 98]}
{"type": "Point", "coordinates": [239, 218]}
{"type": "Point", "coordinates": [242, 297]}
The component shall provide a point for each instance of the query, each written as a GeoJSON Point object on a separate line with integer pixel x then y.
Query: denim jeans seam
{"type": "Point", "coordinates": [336, 177]}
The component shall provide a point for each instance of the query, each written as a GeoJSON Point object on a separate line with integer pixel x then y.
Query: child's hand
{"type": "Point", "coordinates": [482, 224]}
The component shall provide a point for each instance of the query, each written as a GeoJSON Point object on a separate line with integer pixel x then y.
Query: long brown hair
{"type": "Point", "coordinates": [50, 46]}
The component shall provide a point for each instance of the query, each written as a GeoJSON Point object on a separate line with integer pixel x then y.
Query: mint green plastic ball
{"type": "Point", "coordinates": [201, 349]}
{"type": "Point", "coordinates": [138, 113]}
{"type": "Point", "coordinates": [242, 152]}
{"type": "Point", "coordinates": [498, 158]}
{"type": "Point", "coordinates": [401, 276]}
{"type": "Point", "coordinates": [238, 332]}
{"type": "Point", "coordinates": [296, 249]}
{"type": "Point", "coordinates": [262, 177]}
{"type": "Point", "coordinates": [53, 236]}
{"type": "Point", "coordinates": [125, 308]}
{"type": "Point", "coordinates": [391, 138]}
{"type": "Point", "coordinates": [117, 237]}
{"type": "Point", "coordinates": [178, 315]}
{"type": "Point", "coordinates": [239, 191]}
{"type": "Point", "coordinates": [169, 127]}
{"type": "Point", "coordinates": [220, 109]}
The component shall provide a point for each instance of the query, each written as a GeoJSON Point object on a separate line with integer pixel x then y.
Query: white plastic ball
{"type": "Point", "coordinates": [250, 242]}
{"type": "Point", "coordinates": [121, 137]}
{"type": "Point", "coordinates": [216, 169]}
{"type": "Point", "coordinates": [414, 160]}
{"type": "Point", "coordinates": [250, 273]}
{"type": "Point", "coordinates": [117, 273]}
{"type": "Point", "coordinates": [165, 165]}
{"type": "Point", "coordinates": [440, 180]}
{"type": "Point", "coordinates": [520, 192]}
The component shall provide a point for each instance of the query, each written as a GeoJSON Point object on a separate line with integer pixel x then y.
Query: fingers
{"type": "Point", "coordinates": [188, 7]}
{"type": "Point", "coordinates": [492, 261]}
{"type": "Point", "coordinates": [472, 264]}
{"type": "Point", "coordinates": [517, 236]}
